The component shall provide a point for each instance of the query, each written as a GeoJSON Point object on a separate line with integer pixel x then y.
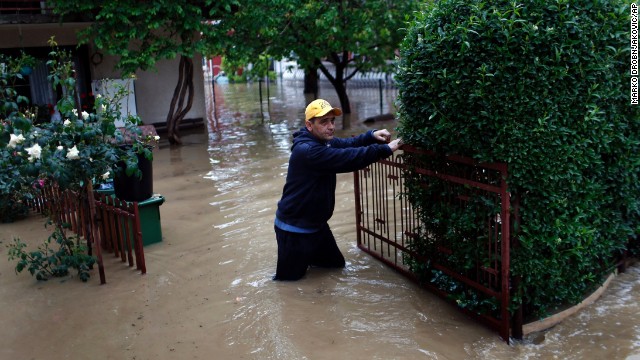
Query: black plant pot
{"type": "Point", "coordinates": [133, 188]}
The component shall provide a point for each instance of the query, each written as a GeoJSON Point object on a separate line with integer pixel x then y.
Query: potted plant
{"type": "Point", "coordinates": [133, 178]}
{"type": "Point", "coordinates": [26, 64]}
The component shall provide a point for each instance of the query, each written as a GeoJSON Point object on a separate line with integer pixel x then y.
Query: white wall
{"type": "Point", "coordinates": [154, 89]}
{"type": "Point", "coordinates": [158, 88]}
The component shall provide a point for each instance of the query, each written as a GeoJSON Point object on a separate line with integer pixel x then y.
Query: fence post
{"type": "Point", "coordinates": [95, 234]}
{"type": "Point", "coordinates": [260, 95]}
{"type": "Point", "coordinates": [380, 88]}
{"type": "Point", "coordinates": [518, 316]}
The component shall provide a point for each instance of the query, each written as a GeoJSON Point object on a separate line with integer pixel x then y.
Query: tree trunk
{"type": "Point", "coordinates": [178, 108]}
{"type": "Point", "coordinates": [311, 82]}
{"type": "Point", "coordinates": [340, 86]}
{"type": "Point", "coordinates": [341, 91]}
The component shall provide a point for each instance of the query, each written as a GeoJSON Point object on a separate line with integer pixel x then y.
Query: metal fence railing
{"type": "Point", "coordinates": [390, 229]}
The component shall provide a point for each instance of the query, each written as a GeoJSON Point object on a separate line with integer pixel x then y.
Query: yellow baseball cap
{"type": "Point", "coordinates": [320, 107]}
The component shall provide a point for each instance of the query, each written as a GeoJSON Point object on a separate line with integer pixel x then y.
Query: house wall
{"type": "Point", "coordinates": [153, 89]}
{"type": "Point", "coordinates": [38, 35]}
{"type": "Point", "coordinates": [158, 88]}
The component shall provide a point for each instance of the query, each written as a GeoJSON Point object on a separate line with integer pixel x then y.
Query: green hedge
{"type": "Point", "coordinates": [545, 87]}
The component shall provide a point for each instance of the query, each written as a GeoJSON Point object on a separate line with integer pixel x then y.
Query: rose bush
{"type": "Point", "coordinates": [75, 152]}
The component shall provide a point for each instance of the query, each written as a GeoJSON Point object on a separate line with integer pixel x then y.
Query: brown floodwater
{"type": "Point", "coordinates": [208, 293]}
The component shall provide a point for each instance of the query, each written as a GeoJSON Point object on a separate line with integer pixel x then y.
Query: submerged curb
{"type": "Point", "coordinates": [555, 319]}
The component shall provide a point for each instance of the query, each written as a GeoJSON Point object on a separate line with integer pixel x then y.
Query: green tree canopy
{"type": "Point", "coordinates": [141, 33]}
{"type": "Point", "coordinates": [144, 32]}
{"type": "Point", "coordinates": [353, 36]}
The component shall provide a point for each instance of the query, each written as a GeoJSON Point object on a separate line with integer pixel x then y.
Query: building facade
{"type": "Point", "coordinates": [27, 26]}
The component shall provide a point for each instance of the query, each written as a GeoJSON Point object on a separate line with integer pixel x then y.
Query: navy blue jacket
{"type": "Point", "coordinates": [308, 197]}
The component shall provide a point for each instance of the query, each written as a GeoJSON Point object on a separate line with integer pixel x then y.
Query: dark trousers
{"type": "Point", "coordinates": [296, 252]}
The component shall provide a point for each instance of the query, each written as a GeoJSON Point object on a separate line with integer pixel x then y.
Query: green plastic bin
{"type": "Point", "coordinates": [149, 211]}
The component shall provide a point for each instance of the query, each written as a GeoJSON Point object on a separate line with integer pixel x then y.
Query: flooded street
{"type": "Point", "coordinates": [208, 293]}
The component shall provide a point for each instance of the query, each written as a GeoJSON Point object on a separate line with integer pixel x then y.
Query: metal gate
{"type": "Point", "coordinates": [467, 265]}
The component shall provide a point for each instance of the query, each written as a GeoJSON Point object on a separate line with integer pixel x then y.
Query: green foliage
{"type": "Point", "coordinates": [544, 87]}
{"type": "Point", "coordinates": [71, 152]}
{"type": "Point", "coordinates": [14, 190]}
{"type": "Point", "coordinates": [76, 147]}
{"type": "Point", "coordinates": [314, 30]}
{"type": "Point", "coordinates": [255, 72]}
{"type": "Point", "coordinates": [27, 60]}
{"type": "Point", "coordinates": [458, 224]}
{"type": "Point", "coordinates": [47, 261]}
{"type": "Point", "coordinates": [353, 36]}
{"type": "Point", "coordinates": [464, 296]}
{"type": "Point", "coordinates": [143, 32]}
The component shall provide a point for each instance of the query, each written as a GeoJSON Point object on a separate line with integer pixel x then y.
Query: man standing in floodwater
{"type": "Point", "coordinates": [301, 224]}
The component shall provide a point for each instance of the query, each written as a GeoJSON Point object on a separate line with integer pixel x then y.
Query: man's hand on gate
{"type": "Point", "coordinates": [382, 135]}
{"type": "Point", "coordinates": [395, 144]}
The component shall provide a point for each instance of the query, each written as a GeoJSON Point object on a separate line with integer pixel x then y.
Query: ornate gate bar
{"type": "Point", "coordinates": [387, 225]}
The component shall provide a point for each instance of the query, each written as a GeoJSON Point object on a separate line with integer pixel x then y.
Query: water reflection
{"type": "Point", "coordinates": [365, 311]}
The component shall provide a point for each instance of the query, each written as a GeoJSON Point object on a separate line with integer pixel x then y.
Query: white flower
{"type": "Point", "coordinates": [34, 152]}
{"type": "Point", "coordinates": [15, 140]}
{"type": "Point", "coordinates": [156, 138]}
{"type": "Point", "coordinates": [103, 107]}
{"type": "Point", "coordinates": [98, 96]}
{"type": "Point", "coordinates": [85, 115]}
{"type": "Point", "coordinates": [75, 112]}
{"type": "Point", "coordinates": [59, 147]}
{"type": "Point", "coordinates": [67, 122]}
{"type": "Point", "coordinates": [105, 176]}
{"type": "Point", "coordinates": [72, 153]}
